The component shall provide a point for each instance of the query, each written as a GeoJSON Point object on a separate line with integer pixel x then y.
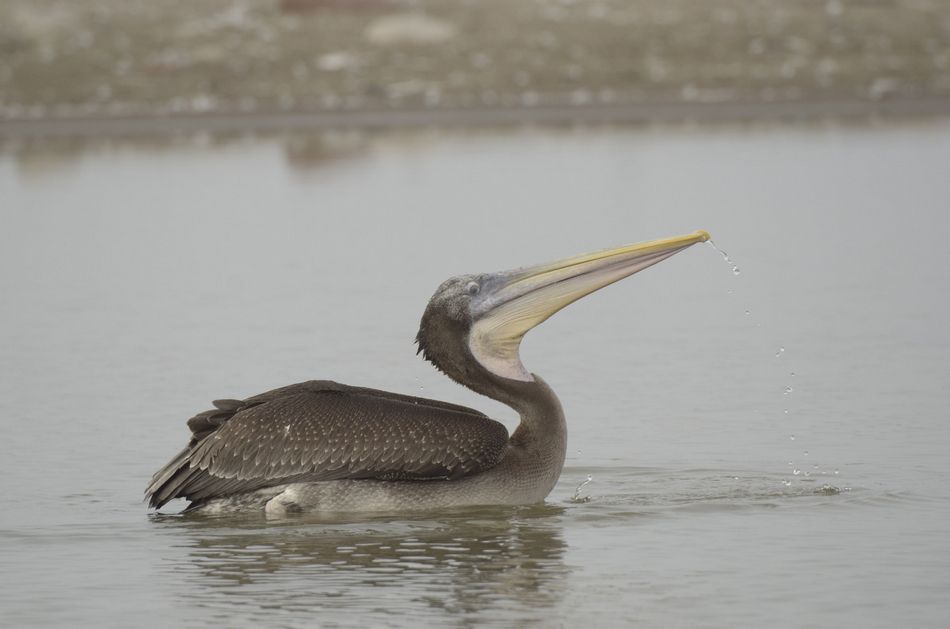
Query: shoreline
{"type": "Point", "coordinates": [548, 115]}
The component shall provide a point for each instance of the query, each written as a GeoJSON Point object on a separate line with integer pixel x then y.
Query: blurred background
{"type": "Point", "coordinates": [211, 198]}
{"type": "Point", "coordinates": [103, 58]}
{"type": "Point", "coordinates": [108, 71]}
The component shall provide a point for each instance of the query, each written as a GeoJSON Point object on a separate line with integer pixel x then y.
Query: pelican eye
{"type": "Point", "coordinates": [472, 288]}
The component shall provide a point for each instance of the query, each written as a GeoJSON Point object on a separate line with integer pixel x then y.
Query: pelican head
{"type": "Point", "coordinates": [473, 325]}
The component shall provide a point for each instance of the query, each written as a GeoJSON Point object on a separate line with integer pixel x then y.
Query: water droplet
{"type": "Point", "coordinates": [807, 473]}
{"type": "Point", "coordinates": [805, 453]}
{"type": "Point", "coordinates": [785, 411]}
{"type": "Point", "coordinates": [796, 471]}
{"type": "Point", "coordinates": [792, 437]}
{"type": "Point", "coordinates": [748, 312]}
{"type": "Point", "coordinates": [815, 466]}
{"type": "Point", "coordinates": [787, 483]}
{"type": "Point", "coordinates": [836, 471]}
{"type": "Point", "coordinates": [780, 351]}
{"type": "Point", "coordinates": [792, 374]}
{"type": "Point", "coordinates": [725, 256]}
{"type": "Point", "coordinates": [788, 390]}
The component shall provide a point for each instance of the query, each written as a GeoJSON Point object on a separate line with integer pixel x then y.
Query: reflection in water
{"type": "Point", "coordinates": [303, 150]}
{"type": "Point", "coordinates": [310, 151]}
{"type": "Point", "coordinates": [306, 150]}
{"type": "Point", "coordinates": [45, 157]}
{"type": "Point", "coordinates": [465, 566]}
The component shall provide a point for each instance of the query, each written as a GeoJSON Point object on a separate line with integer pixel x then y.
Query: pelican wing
{"type": "Point", "coordinates": [322, 430]}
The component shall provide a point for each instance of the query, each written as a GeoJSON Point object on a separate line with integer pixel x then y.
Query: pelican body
{"type": "Point", "coordinates": [321, 446]}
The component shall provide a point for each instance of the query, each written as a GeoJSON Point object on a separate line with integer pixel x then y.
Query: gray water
{"type": "Point", "coordinates": [140, 280]}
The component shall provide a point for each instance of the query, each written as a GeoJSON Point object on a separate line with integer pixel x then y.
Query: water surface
{"type": "Point", "coordinates": [142, 280]}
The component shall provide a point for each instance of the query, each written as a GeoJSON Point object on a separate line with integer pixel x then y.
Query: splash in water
{"type": "Point", "coordinates": [577, 497]}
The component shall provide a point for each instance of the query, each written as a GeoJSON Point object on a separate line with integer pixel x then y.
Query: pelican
{"type": "Point", "coordinates": [323, 447]}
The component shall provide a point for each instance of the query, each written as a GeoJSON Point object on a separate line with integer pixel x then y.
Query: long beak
{"type": "Point", "coordinates": [529, 296]}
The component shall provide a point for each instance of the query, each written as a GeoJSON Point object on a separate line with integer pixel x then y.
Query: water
{"type": "Point", "coordinates": [140, 280]}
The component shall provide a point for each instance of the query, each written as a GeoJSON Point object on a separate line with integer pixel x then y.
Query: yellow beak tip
{"type": "Point", "coordinates": [703, 235]}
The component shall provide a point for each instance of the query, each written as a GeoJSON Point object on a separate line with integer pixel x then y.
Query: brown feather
{"type": "Point", "coordinates": [321, 430]}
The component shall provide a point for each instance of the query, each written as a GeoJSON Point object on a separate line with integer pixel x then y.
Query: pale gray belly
{"type": "Point", "coordinates": [507, 484]}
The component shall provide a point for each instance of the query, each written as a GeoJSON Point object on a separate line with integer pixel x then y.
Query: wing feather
{"type": "Point", "coordinates": [322, 430]}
